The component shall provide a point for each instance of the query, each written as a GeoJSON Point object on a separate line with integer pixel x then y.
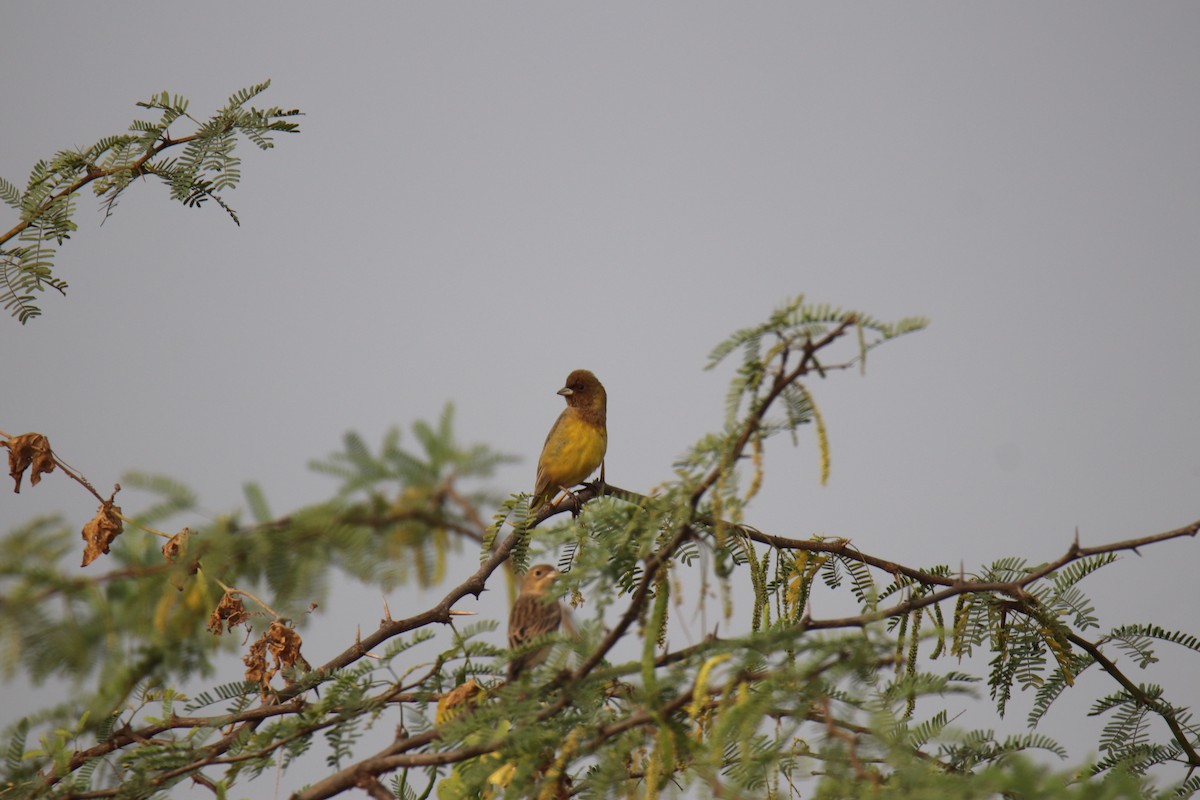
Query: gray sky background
{"type": "Point", "coordinates": [484, 197]}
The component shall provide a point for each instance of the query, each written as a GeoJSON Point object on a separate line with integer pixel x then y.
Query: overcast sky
{"type": "Point", "coordinates": [486, 196]}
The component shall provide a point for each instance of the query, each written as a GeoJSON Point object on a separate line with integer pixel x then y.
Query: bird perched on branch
{"type": "Point", "coordinates": [576, 444]}
{"type": "Point", "coordinates": [535, 613]}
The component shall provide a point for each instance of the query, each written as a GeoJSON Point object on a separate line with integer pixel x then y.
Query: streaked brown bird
{"type": "Point", "coordinates": [535, 613]}
{"type": "Point", "coordinates": [576, 444]}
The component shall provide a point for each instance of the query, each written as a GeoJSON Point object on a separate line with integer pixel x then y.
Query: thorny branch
{"type": "Point", "coordinates": [754, 419]}
{"type": "Point", "coordinates": [137, 167]}
{"type": "Point", "coordinates": [400, 753]}
{"type": "Point", "coordinates": [414, 750]}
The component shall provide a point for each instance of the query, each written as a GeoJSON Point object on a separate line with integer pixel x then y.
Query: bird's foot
{"type": "Point", "coordinates": [574, 501]}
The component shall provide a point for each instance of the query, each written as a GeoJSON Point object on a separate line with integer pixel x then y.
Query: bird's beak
{"type": "Point", "coordinates": [565, 391]}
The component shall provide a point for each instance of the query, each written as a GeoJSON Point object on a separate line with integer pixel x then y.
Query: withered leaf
{"type": "Point", "coordinates": [256, 665]}
{"type": "Point", "coordinates": [229, 611]}
{"type": "Point", "coordinates": [175, 548]}
{"type": "Point", "coordinates": [29, 449]}
{"type": "Point", "coordinates": [100, 531]}
{"type": "Point", "coordinates": [176, 545]}
{"type": "Point", "coordinates": [284, 644]}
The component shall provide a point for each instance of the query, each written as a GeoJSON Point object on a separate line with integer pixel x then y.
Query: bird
{"type": "Point", "coordinates": [534, 614]}
{"type": "Point", "coordinates": [577, 442]}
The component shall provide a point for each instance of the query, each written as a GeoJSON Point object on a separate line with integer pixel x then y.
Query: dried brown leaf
{"type": "Point", "coordinates": [229, 611]}
{"type": "Point", "coordinates": [100, 531]}
{"type": "Point", "coordinates": [29, 449]}
{"type": "Point", "coordinates": [284, 644]}
{"type": "Point", "coordinates": [176, 545]}
{"type": "Point", "coordinates": [173, 551]}
{"type": "Point", "coordinates": [256, 665]}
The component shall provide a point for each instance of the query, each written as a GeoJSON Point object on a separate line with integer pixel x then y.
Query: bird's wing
{"type": "Point", "coordinates": [532, 618]}
{"type": "Point", "coordinates": [543, 483]}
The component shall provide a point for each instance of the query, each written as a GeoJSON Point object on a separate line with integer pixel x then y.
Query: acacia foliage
{"type": "Point", "coordinates": [786, 704]}
{"type": "Point", "coordinates": [196, 167]}
{"type": "Point", "coordinates": [782, 703]}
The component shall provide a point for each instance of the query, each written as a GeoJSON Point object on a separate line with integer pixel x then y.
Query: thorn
{"type": "Point", "coordinates": [456, 613]}
{"type": "Point", "coordinates": [387, 612]}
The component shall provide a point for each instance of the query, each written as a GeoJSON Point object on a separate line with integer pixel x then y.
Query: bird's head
{"type": "Point", "coordinates": [582, 389]}
{"type": "Point", "coordinates": [538, 579]}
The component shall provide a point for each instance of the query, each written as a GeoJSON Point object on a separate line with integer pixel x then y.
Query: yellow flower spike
{"type": "Point", "coordinates": [805, 569]}
{"type": "Point", "coordinates": [550, 789]}
{"type": "Point", "coordinates": [822, 436]}
{"type": "Point", "coordinates": [756, 455]}
{"type": "Point", "coordinates": [503, 775]}
{"type": "Point", "coordinates": [699, 691]}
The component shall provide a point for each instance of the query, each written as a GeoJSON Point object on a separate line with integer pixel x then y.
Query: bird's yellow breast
{"type": "Point", "coordinates": [573, 450]}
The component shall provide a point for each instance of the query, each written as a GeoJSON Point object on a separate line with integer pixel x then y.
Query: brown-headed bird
{"type": "Point", "coordinates": [576, 444]}
{"type": "Point", "coordinates": [536, 613]}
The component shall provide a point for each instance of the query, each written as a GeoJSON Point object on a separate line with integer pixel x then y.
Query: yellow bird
{"type": "Point", "coordinates": [576, 444]}
{"type": "Point", "coordinates": [533, 615]}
